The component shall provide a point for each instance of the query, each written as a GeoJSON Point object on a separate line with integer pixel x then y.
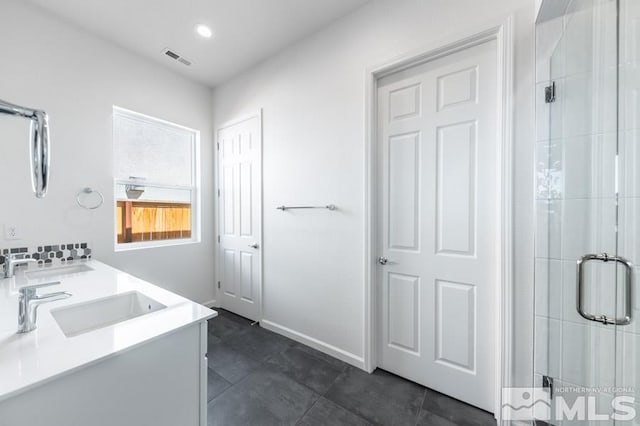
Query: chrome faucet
{"type": "Point", "coordinates": [29, 301]}
{"type": "Point", "coordinates": [10, 263]}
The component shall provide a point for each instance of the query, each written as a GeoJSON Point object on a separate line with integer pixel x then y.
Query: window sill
{"type": "Point", "coordinates": [154, 244]}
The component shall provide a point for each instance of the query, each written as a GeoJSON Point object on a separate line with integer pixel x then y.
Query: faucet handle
{"type": "Point", "coordinates": [11, 257]}
{"type": "Point", "coordinates": [10, 262]}
{"type": "Point", "coordinates": [25, 288]}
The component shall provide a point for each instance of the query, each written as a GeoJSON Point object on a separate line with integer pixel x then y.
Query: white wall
{"type": "Point", "coordinates": [77, 78]}
{"type": "Point", "coordinates": [313, 98]}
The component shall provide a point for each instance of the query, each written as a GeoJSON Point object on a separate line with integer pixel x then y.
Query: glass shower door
{"type": "Point", "coordinates": [628, 336]}
{"type": "Point", "coordinates": [582, 282]}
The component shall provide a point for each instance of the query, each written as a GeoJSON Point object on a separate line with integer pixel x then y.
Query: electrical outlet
{"type": "Point", "coordinates": [11, 232]}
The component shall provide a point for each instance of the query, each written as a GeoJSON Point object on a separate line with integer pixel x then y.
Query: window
{"type": "Point", "coordinates": [156, 181]}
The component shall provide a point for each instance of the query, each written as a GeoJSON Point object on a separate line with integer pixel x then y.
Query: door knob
{"type": "Point", "coordinates": [383, 260]}
{"type": "Point", "coordinates": [254, 245]}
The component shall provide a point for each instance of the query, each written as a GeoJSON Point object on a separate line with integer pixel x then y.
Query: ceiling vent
{"type": "Point", "coordinates": [176, 57]}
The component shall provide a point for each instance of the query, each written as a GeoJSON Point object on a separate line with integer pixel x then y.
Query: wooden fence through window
{"type": "Point", "coordinates": [152, 221]}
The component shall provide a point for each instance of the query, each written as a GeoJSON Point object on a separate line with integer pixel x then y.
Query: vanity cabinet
{"type": "Point", "coordinates": [161, 382]}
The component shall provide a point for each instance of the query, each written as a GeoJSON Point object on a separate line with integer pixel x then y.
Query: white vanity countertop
{"type": "Point", "coordinates": [30, 359]}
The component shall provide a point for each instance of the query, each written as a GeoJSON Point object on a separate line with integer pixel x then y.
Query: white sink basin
{"type": "Point", "coordinates": [88, 316]}
{"type": "Point", "coordinates": [57, 272]}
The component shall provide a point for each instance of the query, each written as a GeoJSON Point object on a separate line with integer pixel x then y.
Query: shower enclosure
{"type": "Point", "coordinates": [587, 304]}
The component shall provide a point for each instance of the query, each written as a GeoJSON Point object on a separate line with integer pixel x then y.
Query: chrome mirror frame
{"type": "Point", "coordinates": [39, 144]}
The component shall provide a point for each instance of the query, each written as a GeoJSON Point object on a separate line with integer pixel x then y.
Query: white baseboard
{"type": "Point", "coordinates": [319, 345]}
{"type": "Point", "coordinates": [211, 304]}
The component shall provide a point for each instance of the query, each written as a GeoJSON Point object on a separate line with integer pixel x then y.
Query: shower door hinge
{"type": "Point", "coordinates": [547, 382]}
{"type": "Point", "coordinates": [218, 284]}
{"type": "Point", "coordinates": [550, 93]}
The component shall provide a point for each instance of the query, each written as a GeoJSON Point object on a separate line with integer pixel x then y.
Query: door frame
{"type": "Point", "coordinates": [257, 114]}
{"type": "Point", "coordinates": [502, 33]}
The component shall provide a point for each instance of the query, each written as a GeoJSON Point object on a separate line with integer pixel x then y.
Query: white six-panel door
{"type": "Point", "coordinates": [240, 217]}
{"type": "Point", "coordinates": [438, 216]}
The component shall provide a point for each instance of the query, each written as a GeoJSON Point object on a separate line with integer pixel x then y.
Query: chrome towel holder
{"type": "Point", "coordinates": [88, 191]}
{"type": "Point", "coordinates": [331, 207]}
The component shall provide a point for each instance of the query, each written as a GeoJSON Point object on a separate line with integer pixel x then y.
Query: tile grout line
{"type": "Point", "coordinates": [424, 397]}
{"type": "Point", "coordinates": [309, 409]}
{"type": "Point", "coordinates": [292, 378]}
{"type": "Point", "coordinates": [233, 385]}
{"type": "Point", "coordinates": [340, 405]}
{"type": "Point", "coordinates": [318, 395]}
{"type": "Point", "coordinates": [262, 364]}
{"type": "Point", "coordinates": [332, 383]}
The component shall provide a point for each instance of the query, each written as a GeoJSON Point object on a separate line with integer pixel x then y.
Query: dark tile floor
{"type": "Point", "coordinates": [257, 377]}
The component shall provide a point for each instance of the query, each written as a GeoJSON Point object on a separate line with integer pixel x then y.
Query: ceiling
{"type": "Point", "coordinates": [245, 31]}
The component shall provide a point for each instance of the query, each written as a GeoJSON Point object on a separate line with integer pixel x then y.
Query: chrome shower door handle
{"type": "Point", "coordinates": [604, 257]}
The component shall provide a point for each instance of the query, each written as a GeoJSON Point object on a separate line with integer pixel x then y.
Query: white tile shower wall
{"type": "Point", "coordinates": [548, 295]}
{"type": "Point", "coordinates": [577, 196]}
{"type": "Point", "coordinates": [588, 358]}
{"type": "Point", "coordinates": [77, 78]}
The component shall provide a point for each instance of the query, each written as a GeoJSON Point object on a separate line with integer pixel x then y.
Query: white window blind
{"type": "Point", "coordinates": [156, 151]}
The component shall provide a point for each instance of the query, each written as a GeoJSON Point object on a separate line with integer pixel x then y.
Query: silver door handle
{"type": "Point", "coordinates": [383, 260]}
{"type": "Point", "coordinates": [604, 257]}
{"type": "Point", "coordinates": [254, 245]}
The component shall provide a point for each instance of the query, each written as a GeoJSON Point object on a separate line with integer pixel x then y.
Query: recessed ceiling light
{"type": "Point", "coordinates": [204, 31]}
